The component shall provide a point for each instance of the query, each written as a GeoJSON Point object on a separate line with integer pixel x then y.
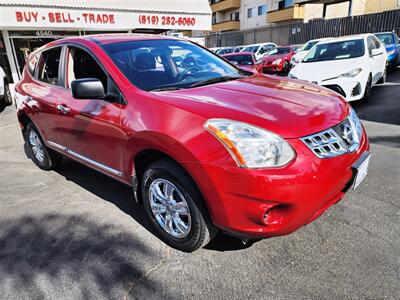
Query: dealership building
{"type": "Point", "coordinates": [28, 24]}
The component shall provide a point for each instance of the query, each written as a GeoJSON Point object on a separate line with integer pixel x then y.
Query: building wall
{"type": "Point", "coordinates": [256, 20]}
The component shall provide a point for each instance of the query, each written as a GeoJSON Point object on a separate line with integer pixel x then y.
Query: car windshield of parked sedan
{"type": "Point", "coordinates": [241, 59]}
{"type": "Point", "coordinates": [385, 38]}
{"type": "Point", "coordinates": [307, 46]}
{"type": "Point", "coordinates": [225, 51]}
{"type": "Point", "coordinates": [279, 50]}
{"type": "Point", "coordinates": [163, 64]}
{"type": "Point", "coordinates": [336, 51]}
{"type": "Point", "coordinates": [253, 49]}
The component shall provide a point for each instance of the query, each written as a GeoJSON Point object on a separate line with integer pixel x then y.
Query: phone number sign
{"type": "Point", "coordinates": [50, 18]}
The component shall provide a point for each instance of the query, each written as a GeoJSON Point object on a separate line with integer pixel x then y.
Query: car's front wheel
{"type": "Point", "coordinates": [368, 88]}
{"type": "Point", "coordinates": [43, 157]}
{"type": "Point", "coordinates": [175, 207]}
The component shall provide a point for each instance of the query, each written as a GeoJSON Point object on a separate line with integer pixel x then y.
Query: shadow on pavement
{"type": "Point", "coordinates": [63, 254]}
{"type": "Point", "coordinates": [391, 141]}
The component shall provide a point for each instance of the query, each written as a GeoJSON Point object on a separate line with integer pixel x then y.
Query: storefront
{"type": "Point", "coordinates": [26, 25]}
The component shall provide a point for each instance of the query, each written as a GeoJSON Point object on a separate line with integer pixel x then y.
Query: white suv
{"type": "Point", "coordinates": [5, 95]}
{"type": "Point", "coordinates": [351, 65]}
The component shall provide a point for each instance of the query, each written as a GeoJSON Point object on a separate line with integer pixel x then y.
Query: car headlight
{"type": "Point", "coordinates": [356, 124]}
{"type": "Point", "coordinates": [351, 73]}
{"type": "Point", "coordinates": [251, 146]}
{"type": "Point", "coordinates": [391, 52]}
{"type": "Point", "coordinates": [277, 61]}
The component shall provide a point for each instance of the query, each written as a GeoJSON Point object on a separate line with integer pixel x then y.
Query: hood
{"type": "Point", "coordinates": [318, 71]}
{"type": "Point", "coordinates": [271, 58]}
{"type": "Point", "coordinates": [290, 108]}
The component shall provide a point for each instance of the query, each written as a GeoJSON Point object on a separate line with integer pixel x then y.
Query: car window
{"type": "Point", "coordinates": [307, 46]}
{"type": "Point", "coordinates": [150, 64]}
{"type": "Point", "coordinates": [244, 59]}
{"type": "Point", "coordinates": [336, 51]}
{"type": "Point", "coordinates": [385, 38]}
{"type": "Point", "coordinates": [279, 50]}
{"type": "Point", "coordinates": [80, 64]}
{"type": "Point", "coordinates": [376, 42]}
{"type": "Point", "coordinates": [48, 65]}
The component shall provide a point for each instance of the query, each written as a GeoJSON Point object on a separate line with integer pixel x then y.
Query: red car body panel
{"type": "Point", "coordinates": [267, 64]}
{"type": "Point", "coordinates": [172, 122]}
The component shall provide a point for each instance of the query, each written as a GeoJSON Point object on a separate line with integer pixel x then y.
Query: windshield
{"type": "Point", "coordinates": [241, 59]}
{"type": "Point", "coordinates": [307, 46]}
{"type": "Point", "coordinates": [386, 38]}
{"type": "Point", "coordinates": [335, 51]}
{"type": "Point", "coordinates": [285, 50]}
{"type": "Point", "coordinates": [168, 64]}
{"type": "Point", "coordinates": [225, 51]}
{"type": "Point", "coordinates": [251, 49]}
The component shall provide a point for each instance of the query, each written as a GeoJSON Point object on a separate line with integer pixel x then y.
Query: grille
{"type": "Point", "coordinates": [337, 140]}
{"type": "Point", "coordinates": [356, 90]}
{"type": "Point", "coordinates": [336, 88]}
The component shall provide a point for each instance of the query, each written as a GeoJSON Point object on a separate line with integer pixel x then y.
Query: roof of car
{"type": "Point", "coordinates": [345, 38]}
{"type": "Point", "coordinates": [110, 38]}
{"type": "Point", "coordinates": [238, 53]}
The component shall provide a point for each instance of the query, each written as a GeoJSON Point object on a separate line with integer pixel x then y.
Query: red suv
{"type": "Point", "coordinates": [204, 145]}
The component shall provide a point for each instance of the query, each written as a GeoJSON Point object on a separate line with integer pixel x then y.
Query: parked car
{"type": "Point", "coordinates": [204, 149]}
{"type": "Point", "coordinates": [5, 94]}
{"type": "Point", "coordinates": [259, 50]}
{"type": "Point", "coordinates": [303, 51]}
{"type": "Point", "coordinates": [277, 60]}
{"type": "Point", "coordinates": [238, 49]}
{"type": "Point", "coordinates": [225, 50]}
{"type": "Point", "coordinates": [244, 60]}
{"type": "Point", "coordinates": [214, 49]}
{"type": "Point", "coordinates": [391, 42]}
{"type": "Point", "coordinates": [351, 65]}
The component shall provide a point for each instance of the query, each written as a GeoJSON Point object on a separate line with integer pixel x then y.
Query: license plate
{"type": "Point", "coordinates": [361, 169]}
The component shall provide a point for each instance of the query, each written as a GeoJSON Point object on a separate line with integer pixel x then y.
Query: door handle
{"type": "Point", "coordinates": [63, 108]}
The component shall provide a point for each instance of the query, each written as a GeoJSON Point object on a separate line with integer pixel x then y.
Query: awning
{"type": "Point", "coordinates": [106, 14]}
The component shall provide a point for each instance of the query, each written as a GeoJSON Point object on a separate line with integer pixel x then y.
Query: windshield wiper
{"type": "Point", "coordinates": [167, 88]}
{"type": "Point", "coordinates": [215, 80]}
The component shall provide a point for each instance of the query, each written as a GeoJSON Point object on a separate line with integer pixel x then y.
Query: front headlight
{"type": "Point", "coordinates": [277, 61]}
{"type": "Point", "coordinates": [391, 52]}
{"type": "Point", "coordinates": [351, 73]}
{"type": "Point", "coordinates": [356, 124]}
{"type": "Point", "coordinates": [250, 146]}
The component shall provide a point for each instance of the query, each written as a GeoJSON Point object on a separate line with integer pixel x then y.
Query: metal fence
{"type": "Point", "coordinates": [299, 32]}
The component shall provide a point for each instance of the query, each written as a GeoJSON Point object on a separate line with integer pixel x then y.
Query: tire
{"type": "Point", "coordinates": [2, 104]}
{"type": "Point", "coordinates": [7, 94]}
{"type": "Point", "coordinates": [286, 67]}
{"type": "Point", "coordinates": [368, 88]}
{"type": "Point", "coordinates": [194, 230]}
{"type": "Point", "coordinates": [45, 158]}
{"type": "Point", "coordinates": [383, 78]}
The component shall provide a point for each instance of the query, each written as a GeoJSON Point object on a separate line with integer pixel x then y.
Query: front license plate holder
{"type": "Point", "coordinates": [360, 169]}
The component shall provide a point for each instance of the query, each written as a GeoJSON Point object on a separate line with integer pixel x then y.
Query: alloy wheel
{"type": "Point", "coordinates": [36, 146]}
{"type": "Point", "coordinates": [169, 208]}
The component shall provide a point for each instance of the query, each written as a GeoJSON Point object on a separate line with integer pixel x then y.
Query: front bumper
{"type": "Point", "coordinates": [293, 196]}
{"type": "Point", "coordinates": [271, 68]}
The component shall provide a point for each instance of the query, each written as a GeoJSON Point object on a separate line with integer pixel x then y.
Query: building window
{"type": "Point", "coordinates": [214, 19]}
{"type": "Point", "coordinates": [250, 12]}
{"type": "Point", "coordinates": [288, 3]}
{"type": "Point", "coordinates": [235, 16]}
{"type": "Point", "coordinates": [262, 10]}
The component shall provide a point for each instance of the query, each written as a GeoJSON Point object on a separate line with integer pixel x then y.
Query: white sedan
{"type": "Point", "coordinates": [350, 66]}
{"type": "Point", "coordinates": [259, 50]}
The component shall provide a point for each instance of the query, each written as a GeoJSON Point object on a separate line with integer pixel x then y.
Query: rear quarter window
{"type": "Point", "coordinates": [32, 62]}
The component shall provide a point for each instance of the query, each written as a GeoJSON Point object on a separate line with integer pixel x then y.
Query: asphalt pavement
{"type": "Point", "coordinates": [77, 234]}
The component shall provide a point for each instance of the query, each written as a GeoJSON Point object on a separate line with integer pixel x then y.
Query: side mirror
{"type": "Point", "coordinates": [87, 88]}
{"type": "Point", "coordinates": [376, 52]}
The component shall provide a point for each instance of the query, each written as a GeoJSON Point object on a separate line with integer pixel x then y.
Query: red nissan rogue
{"type": "Point", "coordinates": [204, 145]}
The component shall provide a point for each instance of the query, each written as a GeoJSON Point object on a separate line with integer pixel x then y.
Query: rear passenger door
{"type": "Point", "coordinates": [91, 128]}
{"type": "Point", "coordinates": [44, 93]}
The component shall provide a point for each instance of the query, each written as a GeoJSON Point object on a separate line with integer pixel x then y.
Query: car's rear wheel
{"type": "Point", "coordinates": [175, 207]}
{"type": "Point", "coordinates": [7, 94]}
{"type": "Point", "coordinates": [43, 157]}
